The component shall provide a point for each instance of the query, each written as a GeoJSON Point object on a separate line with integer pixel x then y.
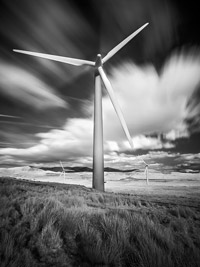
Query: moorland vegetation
{"type": "Point", "coordinates": [49, 224]}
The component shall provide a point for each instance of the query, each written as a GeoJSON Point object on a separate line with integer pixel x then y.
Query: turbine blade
{"type": "Point", "coordinates": [62, 166]}
{"type": "Point", "coordinates": [113, 98]}
{"type": "Point", "coordinates": [144, 162]}
{"type": "Point", "coordinates": [68, 60]}
{"type": "Point", "coordinates": [123, 43]}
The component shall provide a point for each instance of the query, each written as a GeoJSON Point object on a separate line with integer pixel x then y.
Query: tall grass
{"type": "Point", "coordinates": [62, 225]}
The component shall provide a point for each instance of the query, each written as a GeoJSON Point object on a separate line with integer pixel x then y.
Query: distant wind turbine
{"type": "Point", "coordinates": [146, 171]}
{"type": "Point", "coordinates": [63, 170]}
{"type": "Point", "coordinates": [98, 158]}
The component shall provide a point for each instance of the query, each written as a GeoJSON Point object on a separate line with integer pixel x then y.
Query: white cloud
{"type": "Point", "coordinates": [26, 88]}
{"type": "Point", "coordinates": [180, 131]}
{"type": "Point", "coordinates": [152, 102]}
{"type": "Point", "coordinates": [143, 142]}
{"type": "Point", "coordinates": [190, 157]}
{"type": "Point", "coordinates": [73, 141]}
{"type": "Point", "coordinates": [140, 142]}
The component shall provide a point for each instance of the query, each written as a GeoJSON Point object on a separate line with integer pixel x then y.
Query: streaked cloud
{"type": "Point", "coordinates": [20, 85]}
{"type": "Point", "coordinates": [9, 116]}
{"type": "Point", "coordinates": [180, 131]}
{"type": "Point", "coordinates": [71, 142]}
{"type": "Point", "coordinates": [152, 102]}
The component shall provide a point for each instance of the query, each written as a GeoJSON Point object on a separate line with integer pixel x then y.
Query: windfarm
{"type": "Point", "coordinates": [99, 133]}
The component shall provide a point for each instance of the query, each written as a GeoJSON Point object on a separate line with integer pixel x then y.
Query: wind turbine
{"type": "Point", "coordinates": [63, 170]}
{"type": "Point", "coordinates": [99, 74]}
{"type": "Point", "coordinates": [146, 171]}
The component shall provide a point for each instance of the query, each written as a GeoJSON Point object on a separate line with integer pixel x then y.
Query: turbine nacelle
{"type": "Point", "coordinates": [98, 62]}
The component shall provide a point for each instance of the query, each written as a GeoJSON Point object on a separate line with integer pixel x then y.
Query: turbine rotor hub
{"type": "Point", "coordinates": [98, 62]}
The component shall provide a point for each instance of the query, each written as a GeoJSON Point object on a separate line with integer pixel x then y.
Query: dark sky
{"type": "Point", "coordinates": [46, 108]}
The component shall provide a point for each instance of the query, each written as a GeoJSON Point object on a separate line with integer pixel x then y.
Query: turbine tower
{"type": "Point", "coordinates": [99, 74]}
{"type": "Point", "coordinates": [146, 172]}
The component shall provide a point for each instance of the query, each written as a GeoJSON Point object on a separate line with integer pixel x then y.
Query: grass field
{"type": "Point", "coordinates": [49, 224]}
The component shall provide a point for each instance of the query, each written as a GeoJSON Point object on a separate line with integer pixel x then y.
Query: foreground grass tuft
{"type": "Point", "coordinates": [67, 225]}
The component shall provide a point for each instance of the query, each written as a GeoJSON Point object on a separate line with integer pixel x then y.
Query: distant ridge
{"type": "Point", "coordinates": [83, 169]}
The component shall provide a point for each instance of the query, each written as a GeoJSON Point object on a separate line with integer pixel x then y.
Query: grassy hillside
{"type": "Point", "coordinates": [69, 225]}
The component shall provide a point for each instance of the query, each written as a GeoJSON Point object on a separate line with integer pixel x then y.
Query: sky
{"type": "Point", "coordinates": [46, 107]}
